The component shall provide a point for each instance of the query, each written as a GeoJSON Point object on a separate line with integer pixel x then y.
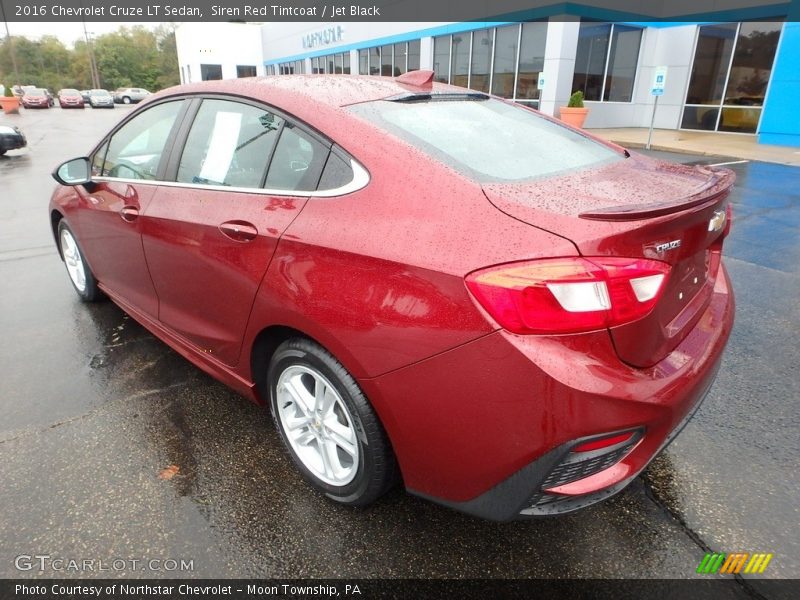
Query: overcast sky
{"type": "Point", "coordinates": [66, 32]}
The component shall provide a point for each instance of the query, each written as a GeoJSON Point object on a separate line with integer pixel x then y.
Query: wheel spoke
{"type": "Point", "coordinates": [300, 396]}
{"type": "Point", "coordinates": [341, 441]}
{"type": "Point", "coordinates": [305, 438]}
{"type": "Point", "coordinates": [324, 399]}
{"type": "Point", "coordinates": [293, 423]}
{"type": "Point", "coordinates": [327, 449]}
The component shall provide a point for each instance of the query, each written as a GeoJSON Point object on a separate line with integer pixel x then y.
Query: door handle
{"type": "Point", "coordinates": [129, 213]}
{"type": "Point", "coordinates": [239, 231]}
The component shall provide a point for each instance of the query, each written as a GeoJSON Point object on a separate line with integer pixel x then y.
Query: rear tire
{"type": "Point", "coordinates": [327, 425]}
{"type": "Point", "coordinates": [80, 275]}
{"type": "Point", "coordinates": [126, 100]}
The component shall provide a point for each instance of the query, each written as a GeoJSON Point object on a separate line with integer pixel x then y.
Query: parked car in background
{"type": "Point", "coordinates": [100, 99]}
{"type": "Point", "coordinates": [514, 327]}
{"type": "Point", "coordinates": [130, 95]}
{"type": "Point", "coordinates": [85, 95]}
{"type": "Point", "coordinates": [35, 98]}
{"type": "Point", "coordinates": [11, 138]}
{"type": "Point", "coordinates": [69, 98]}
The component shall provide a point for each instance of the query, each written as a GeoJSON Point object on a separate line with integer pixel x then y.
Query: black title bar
{"type": "Point", "coordinates": [123, 11]}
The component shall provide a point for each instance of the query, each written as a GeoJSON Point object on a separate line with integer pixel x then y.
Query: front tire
{"type": "Point", "coordinates": [327, 424]}
{"type": "Point", "coordinates": [78, 270]}
{"type": "Point", "coordinates": [126, 100]}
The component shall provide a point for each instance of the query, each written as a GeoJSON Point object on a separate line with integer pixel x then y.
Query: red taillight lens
{"type": "Point", "coordinates": [569, 295]}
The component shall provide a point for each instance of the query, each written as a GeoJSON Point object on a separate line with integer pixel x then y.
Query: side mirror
{"type": "Point", "coordinates": [74, 172]}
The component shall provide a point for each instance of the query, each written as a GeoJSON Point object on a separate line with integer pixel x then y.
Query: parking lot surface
{"type": "Point", "coordinates": [93, 408]}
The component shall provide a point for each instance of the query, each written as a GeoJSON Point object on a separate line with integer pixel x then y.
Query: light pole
{"type": "Point", "coordinates": [10, 42]}
{"type": "Point", "coordinates": [92, 63]}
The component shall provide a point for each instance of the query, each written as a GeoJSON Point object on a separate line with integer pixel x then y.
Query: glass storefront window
{"type": "Point", "coordinates": [731, 69]}
{"type": "Point", "coordinates": [531, 59]}
{"type": "Point", "coordinates": [375, 61]}
{"type": "Point", "coordinates": [622, 59]}
{"type": "Point", "coordinates": [710, 67]}
{"type": "Point", "coordinates": [482, 41]}
{"type": "Point", "coordinates": [459, 59]}
{"type": "Point", "coordinates": [346, 63]}
{"type": "Point", "coordinates": [413, 55]}
{"type": "Point", "coordinates": [363, 62]}
{"type": "Point", "coordinates": [505, 60]}
{"type": "Point", "coordinates": [400, 54]}
{"type": "Point", "coordinates": [386, 61]}
{"type": "Point", "coordinates": [590, 60]}
{"type": "Point", "coordinates": [603, 74]}
{"type": "Point", "coordinates": [441, 59]}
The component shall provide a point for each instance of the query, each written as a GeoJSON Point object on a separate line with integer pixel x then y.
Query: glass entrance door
{"type": "Point", "coordinates": [731, 70]}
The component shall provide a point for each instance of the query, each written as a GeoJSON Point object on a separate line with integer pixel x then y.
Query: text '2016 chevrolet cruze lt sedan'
{"type": "Point", "coordinates": [426, 284]}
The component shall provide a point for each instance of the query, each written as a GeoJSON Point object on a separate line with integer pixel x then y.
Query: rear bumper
{"type": "Point", "coordinates": [481, 427]}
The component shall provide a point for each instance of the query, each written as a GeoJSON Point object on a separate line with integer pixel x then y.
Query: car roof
{"type": "Point", "coordinates": [289, 90]}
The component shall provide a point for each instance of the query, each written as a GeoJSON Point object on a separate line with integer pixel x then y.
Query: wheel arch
{"type": "Point", "coordinates": [55, 218]}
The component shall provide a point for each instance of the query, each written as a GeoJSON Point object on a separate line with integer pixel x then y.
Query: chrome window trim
{"type": "Point", "coordinates": [360, 180]}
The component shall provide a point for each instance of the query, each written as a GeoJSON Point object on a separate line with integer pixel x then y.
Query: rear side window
{"type": "Point", "coordinates": [229, 144]}
{"type": "Point", "coordinates": [337, 173]}
{"type": "Point", "coordinates": [134, 151]}
{"type": "Point", "coordinates": [487, 140]}
{"type": "Point", "coordinates": [297, 162]}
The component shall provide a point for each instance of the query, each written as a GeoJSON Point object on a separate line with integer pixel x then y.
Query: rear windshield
{"type": "Point", "coordinates": [487, 140]}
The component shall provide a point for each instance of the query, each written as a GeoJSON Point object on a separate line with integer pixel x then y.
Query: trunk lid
{"type": "Point", "coordinates": [642, 208]}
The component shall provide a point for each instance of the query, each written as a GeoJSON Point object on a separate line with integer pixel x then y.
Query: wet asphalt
{"type": "Point", "coordinates": [93, 407]}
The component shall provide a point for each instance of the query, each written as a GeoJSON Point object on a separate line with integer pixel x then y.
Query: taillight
{"type": "Point", "coordinates": [569, 295]}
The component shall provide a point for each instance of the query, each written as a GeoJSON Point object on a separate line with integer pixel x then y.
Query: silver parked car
{"type": "Point", "coordinates": [100, 98]}
{"type": "Point", "coordinates": [130, 95]}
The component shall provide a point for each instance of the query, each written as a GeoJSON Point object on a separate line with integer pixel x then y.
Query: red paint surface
{"type": "Point", "coordinates": [377, 277]}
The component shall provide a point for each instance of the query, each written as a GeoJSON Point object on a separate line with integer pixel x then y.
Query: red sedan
{"type": "Point", "coordinates": [35, 98]}
{"type": "Point", "coordinates": [69, 98]}
{"type": "Point", "coordinates": [424, 283]}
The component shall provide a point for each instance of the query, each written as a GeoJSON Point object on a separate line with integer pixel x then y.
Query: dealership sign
{"type": "Point", "coordinates": [325, 37]}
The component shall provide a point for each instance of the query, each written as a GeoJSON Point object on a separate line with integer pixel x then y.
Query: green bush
{"type": "Point", "coordinates": [8, 93]}
{"type": "Point", "coordinates": [576, 100]}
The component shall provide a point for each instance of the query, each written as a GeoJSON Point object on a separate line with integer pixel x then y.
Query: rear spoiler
{"type": "Point", "coordinates": [719, 182]}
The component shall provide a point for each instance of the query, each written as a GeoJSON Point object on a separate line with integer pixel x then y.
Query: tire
{"type": "Point", "coordinates": [126, 100]}
{"type": "Point", "coordinates": [80, 275]}
{"type": "Point", "coordinates": [341, 449]}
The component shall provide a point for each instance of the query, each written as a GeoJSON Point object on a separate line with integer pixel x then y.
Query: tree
{"type": "Point", "coordinates": [128, 57]}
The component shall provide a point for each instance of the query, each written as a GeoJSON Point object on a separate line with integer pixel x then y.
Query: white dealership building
{"type": "Point", "coordinates": [734, 76]}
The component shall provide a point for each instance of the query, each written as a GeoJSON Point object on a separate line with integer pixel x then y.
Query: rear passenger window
{"type": "Point", "coordinates": [297, 162]}
{"type": "Point", "coordinates": [337, 173]}
{"type": "Point", "coordinates": [229, 144]}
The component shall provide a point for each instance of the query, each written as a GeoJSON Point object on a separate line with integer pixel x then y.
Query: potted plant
{"type": "Point", "coordinates": [574, 113]}
{"type": "Point", "coordinates": [9, 102]}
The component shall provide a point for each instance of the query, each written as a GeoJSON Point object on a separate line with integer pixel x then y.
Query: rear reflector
{"type": "Point", "coordinates": [569, 295]}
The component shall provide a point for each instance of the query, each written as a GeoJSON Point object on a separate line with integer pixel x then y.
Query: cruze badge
{"type": "Point", "coordinates": [668, 246]}
{"type": "Point", "coordinates": [717, 222]}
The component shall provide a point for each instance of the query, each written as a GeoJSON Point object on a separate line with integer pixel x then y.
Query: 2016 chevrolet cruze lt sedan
{"type": "Point", "coordinates": [424, 283]}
